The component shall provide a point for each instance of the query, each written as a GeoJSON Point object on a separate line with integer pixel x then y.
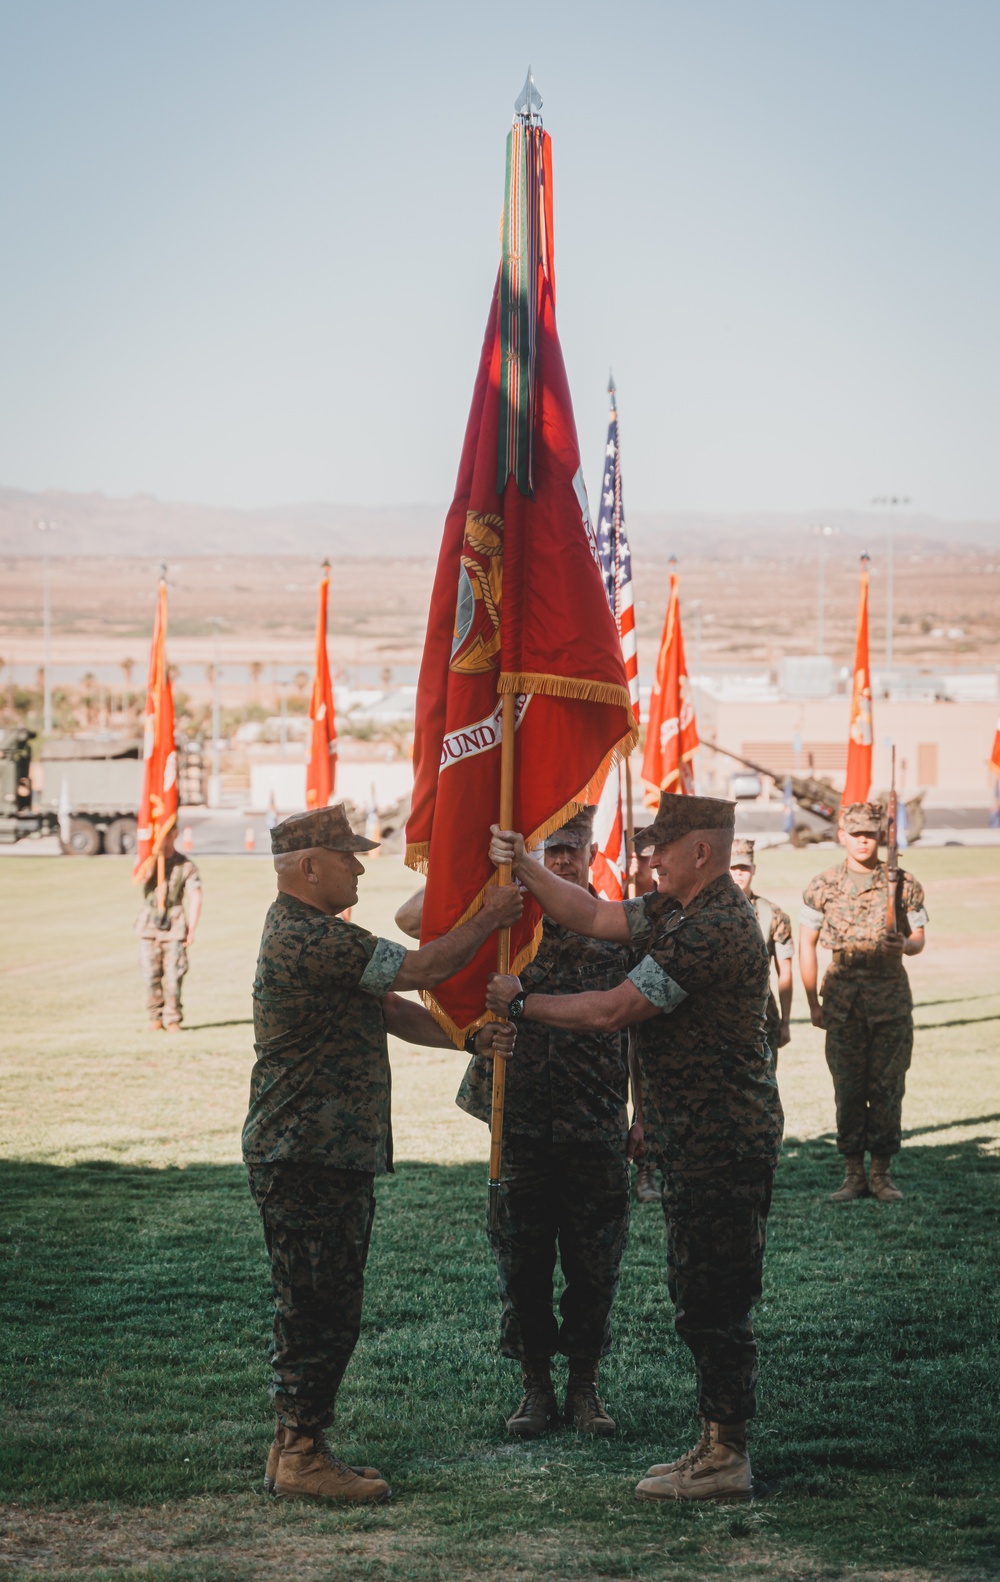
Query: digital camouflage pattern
{"type": "Point", "coordinates": [716, 1234]}
{"type": "Point", "coordinates": [317, 1226]}
{"type": "Point", "coordinates": [867, 1003]}
{"type": "Point", "coordinates": [574, 1194]}
{"type": "Point", "coordinates": [164, 963]}
{"type": "Point", "coordinates": [868, 1061]}
{"type": "Point", "coordinates": [776, 927]}
{"type": "Point", "coordinates": [181, 876]}
{"type": "Point", "coordinates": [567, 1086]}
{"type": "Point", "coordinates": [711, 1097]}
{"type": "Point", "coordinates": [320, 1087]}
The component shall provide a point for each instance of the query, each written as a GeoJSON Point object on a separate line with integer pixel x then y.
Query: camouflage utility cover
{"type": "Point", "coordinates": [849, 911]}
{"type": "Point", "coordinates": [319, 1091]}
{"type": "Point", "coordinates": [568, 1087]}
{"type": "Point", "coordinates": [708, 1073]}
{"type": "Point", "coordinates": [181, 876]}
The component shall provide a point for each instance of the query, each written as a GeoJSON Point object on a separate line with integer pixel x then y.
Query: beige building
{"type": "Point", "coordinates": [942, 748]}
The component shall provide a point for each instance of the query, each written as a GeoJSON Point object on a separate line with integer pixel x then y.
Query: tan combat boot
{"type": "Point", "coordinates": [271, 1470]}
{"type": "Point", "coordinates": [883, 1186]}
{"type": "Point", "coordinates": [646, 1189]}
{"type": "Point", "coordinates": [308, 1470]}
{"type": "Point", "coordinates": [539, 1409]}
{"type": "Point", "coordinates": [855, 1182]}
{"type": "Point", "coordinates": [155, 1025]}
{"type": "Point", "coordinates": [716, 1468]}
{"type": "Point", "coordinates": [584, 1409]}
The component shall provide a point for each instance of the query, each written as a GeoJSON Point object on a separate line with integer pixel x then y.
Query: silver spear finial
{"type": "Point", "coordinates": [528, 103]}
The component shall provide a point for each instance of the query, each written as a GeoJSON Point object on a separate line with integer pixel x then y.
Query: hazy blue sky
{"type": "Point", "coordinates": [248, 248]}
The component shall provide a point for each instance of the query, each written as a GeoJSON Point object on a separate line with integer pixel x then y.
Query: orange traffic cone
{"type": "Point", "coordinates": [248, 839]}
{"type": "Point", "coordinates": [187, 838]}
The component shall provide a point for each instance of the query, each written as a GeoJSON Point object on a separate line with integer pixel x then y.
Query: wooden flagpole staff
{"type": "Point", "coordinates": [507, 718]}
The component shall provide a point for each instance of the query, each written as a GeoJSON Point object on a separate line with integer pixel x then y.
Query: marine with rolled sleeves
{"type": "Point", "coordinates": [864, 1004]}
{"type": "Point", "coordinates": [318, 1131]}
{"type": "Point", "coordinates": [776, 927]}
{"type": "Point", "coordinates": [697, 998]}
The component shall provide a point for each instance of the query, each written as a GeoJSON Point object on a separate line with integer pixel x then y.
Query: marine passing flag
{"type": "Point", "coordinates": [671, 731]}
{"type": "Point", "coordinates": [158, 802]}
{"type": "Point", "coordinates": [859, 743]}
{"type": "Point", "coordinates": [322, 767]}
{"type": "Point", "coordinates": [608, 870]}
{"type": "Point", "coordinates": [518, 606]}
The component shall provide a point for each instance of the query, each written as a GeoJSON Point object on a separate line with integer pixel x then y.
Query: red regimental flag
{"type": "Point", "coordinates": [158, 802]}
{"type": "Point", "coordinates": [671, 731]}
{"type": "Point", "coordinates": [322, 768]}
{"type": "Point", "coordinates": [995, 755]}
{"type": "Point", "coordinates": [859, 744]}
{"type": "Point", "coordinates": [518, 607]}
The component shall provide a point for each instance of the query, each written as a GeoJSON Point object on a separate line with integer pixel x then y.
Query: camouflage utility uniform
{"type": "Point", "coordinates": [317, 1134]}
{"type": "Point", "coordinates": [867, 1004]}
{"type": "Point", "coordinates": [564, 1180]}
{"type": "Point", "coordinates": [713, 1122]}
{"type": "Point", "coordinates": [776, 927]}
{"type": "Point", "coordinates": [163, 939]}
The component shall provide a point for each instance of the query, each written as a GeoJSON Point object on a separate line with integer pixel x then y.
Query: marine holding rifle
{"type": "Point", "coordinates": [865, 1004]}
{"type": "Point", "coordinates": [697, 997]}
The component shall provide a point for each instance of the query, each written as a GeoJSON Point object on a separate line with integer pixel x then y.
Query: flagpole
{"type": "Point", "coordinates": [503, 950]}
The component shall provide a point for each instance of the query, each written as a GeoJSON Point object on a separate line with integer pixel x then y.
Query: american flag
{"type": "Point", "coordinates": [608, 871]}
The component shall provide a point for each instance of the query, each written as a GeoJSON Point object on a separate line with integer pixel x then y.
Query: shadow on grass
{"type": "Point", "coordinates": [135, 1309]}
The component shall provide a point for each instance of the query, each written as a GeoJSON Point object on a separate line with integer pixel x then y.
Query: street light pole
{"type": "Point", "coordinates": [215, 779]}
{"type": "Point", "coordinates": [824, 532]}
{"type": "Point", "coordinates": [44, 528]}
{"type": "Point", "coordinates": [890, 500]}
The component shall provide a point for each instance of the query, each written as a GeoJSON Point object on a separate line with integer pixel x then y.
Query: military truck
{"type": "Point", "coordinates": [90, 787]}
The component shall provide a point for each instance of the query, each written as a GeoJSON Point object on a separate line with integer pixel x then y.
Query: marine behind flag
{"type": "Point", "coordinates": [158, 800]}
{"type": "Point", "coordinates": [518, 607]}
{"type": "Point", "coordinates": [322, 767]}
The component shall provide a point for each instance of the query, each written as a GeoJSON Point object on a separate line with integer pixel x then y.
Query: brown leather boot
{"type": "Point", "coordinates": [308, 1470]}
{"type": "Point", "coordinates": [584, 1408]}
{"type": "Point", "coordinates": [855, 1182]}
{"type": "Point", "coordinates": [271, 1470]}
{"type": "Point", "coordinates": [539, 1409]}
{"type": "Point", "coordinates": [646, 1189]}
{"type": "Point", "coordinates": [716, 1468]}
{"type": "Point", "coordinates": [882, 1184]}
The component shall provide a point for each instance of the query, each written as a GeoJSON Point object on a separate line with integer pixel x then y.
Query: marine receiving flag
{"type": "Point", "coordinates": [518, 608]}
{"type": "Point", "coordinates": [671, 730]}
{"type": "Point", "coordinates": [609, 870]}
{"type": "Point", "coordinates": [859, 743]}
{"type": "Point", "coordinates": [158, 801]}
{"type": "Point", "coordinates": [321, 771]}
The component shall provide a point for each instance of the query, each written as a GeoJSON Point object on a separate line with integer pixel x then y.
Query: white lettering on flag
{"type": "Point", "coordinates": [469, 740]}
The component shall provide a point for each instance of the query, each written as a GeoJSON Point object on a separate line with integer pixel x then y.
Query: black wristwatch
{"type": "Point", "coordinates": [470, 1042]}
{"type": "Point", "coordinates": [515, 1009]}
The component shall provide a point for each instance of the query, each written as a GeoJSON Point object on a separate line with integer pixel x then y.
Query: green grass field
{"type": "Point", "coordinates": [135, 1311]}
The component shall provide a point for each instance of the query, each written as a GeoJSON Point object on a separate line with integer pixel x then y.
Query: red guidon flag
{"type": "Point", "coordinates": [322, 767]}
{"type": "Point", "coordinates": [518, 607]}
{"type": "Point", "coordinates": [671, 731]}
{"type": "Point", "coordinates": [995, 755]}
{"type": "Point", "coordinates": [158, 802]}
{"type": "Point", "coordinates": [859, 743]}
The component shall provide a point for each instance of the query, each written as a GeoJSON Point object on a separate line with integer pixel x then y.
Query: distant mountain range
{"type": "Point", "coordinates": [143, 527]}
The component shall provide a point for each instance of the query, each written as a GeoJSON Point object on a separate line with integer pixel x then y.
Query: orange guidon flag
{"type": "Point", "coordinates": [995, 754]}
{"type": "Point", "coordinates": [518, 607]}
{"type": "Point", "coordinates": [322, 767]}
{"type": "Point", "coordinates": [671, 731]}
{"type": "Point", "coordinates": [158, 802]}
{"type": "Point", "coordinates": [859, 744]}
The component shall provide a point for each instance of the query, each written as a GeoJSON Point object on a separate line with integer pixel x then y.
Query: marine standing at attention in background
{"type": "Point", "coordinates": [318, 1130]}
{"type": "Point", "coordinates": [867, 1007]}
{"type": "Point", "coordinates": [776, 927]}
{"type": "Point", "coordinates": [564, 1179]}
{"type": "Point", "coordinates": [165, 933]}
{"type": "Point", "coordinates": [697, 997]}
